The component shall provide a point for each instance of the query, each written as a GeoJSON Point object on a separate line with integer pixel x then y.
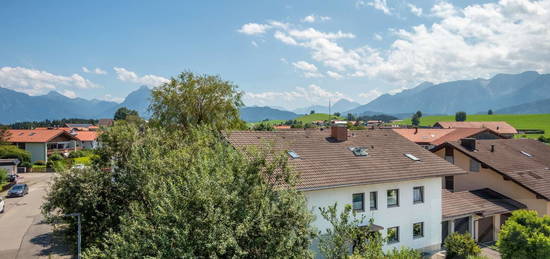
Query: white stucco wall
{"type": "Point", "coordinates": [38, 151]}
{"type": "Point", "coordinates": [403, 216]}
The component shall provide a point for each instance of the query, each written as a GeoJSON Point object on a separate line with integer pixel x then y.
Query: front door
{"type": "Point", "coordinates": [486, 229]}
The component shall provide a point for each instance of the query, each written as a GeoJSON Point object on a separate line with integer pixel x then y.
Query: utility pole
{"type": "Point", "coordinates": [329, 111]}
{"type": "Point", "coordinates": [77, 215]}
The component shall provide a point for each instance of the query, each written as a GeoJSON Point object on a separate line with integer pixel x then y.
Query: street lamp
{"type": "Point", "coordinates": [77, 215]}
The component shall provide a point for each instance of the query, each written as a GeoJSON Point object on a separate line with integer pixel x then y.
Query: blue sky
{"type": "Point", "coordinates": [281, 53]}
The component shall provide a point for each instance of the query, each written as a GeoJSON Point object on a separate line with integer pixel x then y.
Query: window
{"type": "Point", "coordinates": [412, 157]}
{"type": "Point", "coordinates": [358, 201]}
{"type": "Point", "coordinates": [418, 230]}
{"type": "Point", "coordinates": [359, 151]}
{"type": "Point", "coordinates": [474, 165]}
{"type": "Point", "coordinates": [393, 235]}
{"type": "Point", "coordinates": [293, 154]}
{"type": "Point", "coordinates": [449, 182]}
{"type": "Point", "coordinates": [450, 159]}
{"type": "Point", "coordinates": [418, 194]}
{"type": "Point", "coordinates": [373, 200]}
{"type": "Point", "coordinates": [393, 198]}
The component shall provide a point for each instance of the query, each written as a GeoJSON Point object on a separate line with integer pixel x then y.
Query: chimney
{"type": "Point", "coordinates": [492, 148]}
{"type": "Point", "coordinates": [469, 143]}
{"type": "Point", "coordinates": [340, 133]}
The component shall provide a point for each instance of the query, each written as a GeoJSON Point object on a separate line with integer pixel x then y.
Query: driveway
{"type": "Point", "coordinates": [22, 233]}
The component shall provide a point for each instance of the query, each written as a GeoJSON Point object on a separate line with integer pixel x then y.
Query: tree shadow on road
{"type": "Point", "coordinates": [51, 243]}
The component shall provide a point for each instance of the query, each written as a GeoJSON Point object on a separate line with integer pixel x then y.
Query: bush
{"type": "Point", "coordinates": [80, 153]}
{"type": "Point", "coordinates": [40, 162]}
{"type": "Point", "coordinates": [525, 235]}
{"type": "Point", "coordinates": [460, 246]}
{"type": "Point", "coordinates": [403, 253]}
{"type": "Point", "coordinates": [55, 157]}
{"type": "Point", "coordinates": [3, 176]}
{"type": "Point", "coordinates": [26, 164]}
{"type": "Point", "coordinates": [10, 151]}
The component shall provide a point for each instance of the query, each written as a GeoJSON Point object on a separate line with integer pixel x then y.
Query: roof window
{"type": "Point", "coordinates": [526, 154]}
{"type": "Point", "coordinates": [32, 134]}
{"type": "Point", "coordinates": [293, 154]}
{"type": "Point", "coordinates": [359, 151]}
{"type": "Point", "coordinates": [411, 157]}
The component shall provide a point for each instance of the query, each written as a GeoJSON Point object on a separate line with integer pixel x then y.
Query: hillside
{"type": "Point", "coordinates": [341, 106]}
{"type": "Point", "coordinates": [472, 96]}
{"type": "Point", "coordinates": [519, 121]}
{"type": "Point", "coordinates": [542, 106]}
{"type": "Point", "coordinates": [254, 114]}
{"type": "Point", "coordinates": [317, 117]}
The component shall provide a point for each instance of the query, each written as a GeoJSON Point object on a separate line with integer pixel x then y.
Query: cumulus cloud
{"type": "Point", "coordinates": [110, 98]}
{"type": "Point", "coordinates": [415, 10]}
{"type": "Point", "coordinates": [478, 40]}
{"type": "Point", "coordinates": [309, 95]}
{"type": "Point", "coordinates": [129, 76]}
{"type": "Point", "coordinates": [378, 36]}
{"type": "Point", "coordinates": [97, 71]}
{"type": "Point", "coordinates": [334, 75]}
{"type": "Point", "coordinates": [312, 18]}
{"type": "Point", "coordinates": [253, 28]}
{"type": "Point", "coordinates": [69, 93]}
{"type": "Point", "coordinates": [381, 5]}
{"type": "Point", "coordinates": [36, 82]}
{"type": "Point", "coordinates": [309, 70]}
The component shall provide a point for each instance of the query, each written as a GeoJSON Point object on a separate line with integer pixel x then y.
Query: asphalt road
{"type": "Point", "coordinates": [22, 235]}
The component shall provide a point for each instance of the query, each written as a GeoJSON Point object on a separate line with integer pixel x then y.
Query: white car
{"type": "Point", "coordinates": [2, 205]}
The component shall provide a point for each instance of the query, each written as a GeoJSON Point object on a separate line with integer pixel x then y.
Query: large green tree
{"type": "Point", "coordinates": [460, 116]}
{"type": "Point", "coordinates": [525, 235]}
{"type": "Point", "coordinates": [189, 99]}
{"type": "Point", "coordinates": [124, 113]}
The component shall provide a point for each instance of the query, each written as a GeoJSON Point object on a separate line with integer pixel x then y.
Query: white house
{"type": "Point", "coordinates": [383, 175]}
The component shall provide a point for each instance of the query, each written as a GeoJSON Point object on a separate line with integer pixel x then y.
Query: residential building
{"type": "Point", "coordinates": [518, 169]}
{"type": "Point", "coordinates": [86, 139]}
{"type": "Point", "coordinates": [106, 122]}
{"type": "Point", "coordinates": [41, 143]}
{"type": "Point", "coordinates": [429, 137]}
{"type": "Point", "coordinates": [500, 127]}
{"type": "Point", "coordinates": [10, 164]}
{"type": "Point", "coordinates": [383, 175]}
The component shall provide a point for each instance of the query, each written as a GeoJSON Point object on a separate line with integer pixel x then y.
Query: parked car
{"type": "Point", "coordinates": [2, 204]}
{"type": "Point", "coordinates": [18, 190]}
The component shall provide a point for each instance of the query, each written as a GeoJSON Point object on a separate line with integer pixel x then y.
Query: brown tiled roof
{"type": "Point", "coordinates": [86, 135]}
{"type": "Point", "coordinates": [439, 136]}
{"type": "Point", "coordinates": [507, 159]}
{"type": "Point", "coordinates": [324, 163]}
{"type": "Point", "coordinates": [35, 136]}
{"type": "Point", "coordinates": [501, 127]}
{"type": "Point", "coordinates": [484, 202]}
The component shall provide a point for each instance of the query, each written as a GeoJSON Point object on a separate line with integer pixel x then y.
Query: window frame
{"type": "Point", "coordinates": [375, 200]}
{"type": "Point", "coordinates": [396, 198]}
{"type": "Point", "coordinates": [421, 195]}
{"type": "Point", "coordinates": [362, 202]}
{"type": "Point", "coordinates": [396, 236]}
{"type": "Point", "coordinates": [421, 230]}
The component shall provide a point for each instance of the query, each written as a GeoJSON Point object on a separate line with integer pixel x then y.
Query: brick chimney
{"type": "Point", "coordinates": [469, 143]}
{"type": "Point", "coordinates": [340, 133]}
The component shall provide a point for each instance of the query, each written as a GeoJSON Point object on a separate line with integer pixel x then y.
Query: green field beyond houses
{"type": "Point", "coordinates": [305, 119]}
{"type": "Point", "coordinates": [519, 121]}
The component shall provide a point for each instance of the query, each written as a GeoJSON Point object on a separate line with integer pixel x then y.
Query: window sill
{"type": "Point", "coordinates": [358, 210]}
{"type": "Point", "coordinates": [373, 209]}
{"type": "Point", "coordinates": [393, 206]}
{"type": "Point", "coordinates": [393, 242]}
{"type": "Point", "coordinates": [418, 237]}
{"type": "Point", "coordinates": [418, 202]}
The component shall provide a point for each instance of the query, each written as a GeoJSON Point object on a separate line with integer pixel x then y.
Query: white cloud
{"type": "Point", "coordinates": [360, 4]}
{"type": "Point", "coordinates": [309, 18]}
{"type": "Point", "coordinates": [378, 36]}
{"type": "Point", "coordinates": [69, 93]}
{"type": "Point", "coordinates": [310, 95]}
{"type": "Point", "coordinates": [415, 10]}
{"type": "Point", "coordinates": [312, 18]}
{"type": "Point", "coordinates": [334, 75]}
{"type": "Point", "coordinates": [253, 28]}
{"type": "Point", "coordinates": [111, 98]}
{"type": "Point", "coordinates": [97, 71]}
{"type": "Point", "coordinates": [478, 40]}
{"type": "Point", "coordinates": [129, 76]}
{"type": "Point", "coordinates": [370, 95]}
{"type": "Point", "coordinates": [36, 82]}
{"type": "Point", "coordinates": [254, 43]}
{"type": "Point", "coordinates": [302, 65]}
{"type": "Point", "coordinates": [381, 5]}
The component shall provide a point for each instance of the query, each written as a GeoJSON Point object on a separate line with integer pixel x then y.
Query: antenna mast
{"type": "Point", "coordinates": [329, 111]}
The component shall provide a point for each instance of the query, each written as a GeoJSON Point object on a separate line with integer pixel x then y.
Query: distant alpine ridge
{"type": "Point", "coordinates": [527, 92]}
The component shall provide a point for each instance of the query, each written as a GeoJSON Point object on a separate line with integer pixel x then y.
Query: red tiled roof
{"type": "Point", "coordinates": [485, 202]}
{"type": "Point", "coordinates": [325, 163]}
{"type": "Point", "coordinates": [524, 161]}
{"type": "Point", "coordinates": [35, 136]}
{"type": "Point", "coordinates": [439, 136]}
{"type": "Point", "coordinates": [86, 135]}
{"type": "Point", "coordinates": [501, 127]}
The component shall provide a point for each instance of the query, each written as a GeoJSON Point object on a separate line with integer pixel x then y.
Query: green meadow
{"type": "Point", "coordinates": [519, 121]}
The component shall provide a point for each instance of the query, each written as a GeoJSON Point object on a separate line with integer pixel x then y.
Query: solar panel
{"type": "Point", "coordinates": [293, 154]}
{"type": "Point", "coordinates": [411, 157]}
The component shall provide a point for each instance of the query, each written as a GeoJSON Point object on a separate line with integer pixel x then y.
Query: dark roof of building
{"type": "Point", "coordinates": [501, 127]}
{"type": "Point", "coordinates": [483, 202]}
{"type": "Point", "coordinates": [326, 163]}
{"type": "Point", "coordinates": [78, 125]}
{"type": "Point", "coordinates": [9, 161]}
{"type": "Point", "coordinates": [524, 161]}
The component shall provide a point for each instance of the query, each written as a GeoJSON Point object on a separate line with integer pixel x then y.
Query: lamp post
{"type": "Point", "coordinates": [77, 215]}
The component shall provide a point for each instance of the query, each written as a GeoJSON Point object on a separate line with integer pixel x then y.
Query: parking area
{"type": "Point", "coordinates": [22, 233]}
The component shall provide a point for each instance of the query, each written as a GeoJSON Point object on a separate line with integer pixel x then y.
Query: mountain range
{"type": "Point", "coordinates": [527, 92]}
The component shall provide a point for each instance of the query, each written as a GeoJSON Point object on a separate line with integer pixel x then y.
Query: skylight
{"type": "Point", "coordinates": [526, 154]}
{"type": "Point", "coordinates": [293, 154]}
{"type": "Point", "coordinates": [32, 134]}
{"type": "Point", "coordinates": [411, 157]}
{"type": "Point", "coordinates": [359, 151]}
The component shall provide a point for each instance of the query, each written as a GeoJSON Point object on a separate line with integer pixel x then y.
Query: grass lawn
{"type": "Point", "coordinates": [519, 121]}
{"type": "Point", "coordinates": [317, 117]}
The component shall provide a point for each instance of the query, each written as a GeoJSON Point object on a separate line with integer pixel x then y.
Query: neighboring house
{"type": "Point", "coordinates": [500, 127]}
{"type": "Point", "coordinates": [10, 164]}
{"type": "Point", "coordinates": [86, 139]}
{"type": "Point", "coordinates": [518, 169]}
{"type": "Point", "coordinates": [282, 127]}
{"type": "Point", "coordinates": [41, 143]}
{"type": "Point", "coordinates": [383, 176]}
{"type": "Point", "coordinates": [429, 138]}
{"type": "Point", "coordinates": [81, 126]}
{"type": "Point", "coordinates": [106, 122]}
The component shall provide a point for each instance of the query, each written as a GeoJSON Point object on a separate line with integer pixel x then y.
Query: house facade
{"type": "Point", "coordinates": [41, 143]}
{"type": "Point", "coordinates": [515, 170]}
{"type": "Point", "coordinates": [10, 165]}
{"type": "Point", "coordinates": [381, 174]}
